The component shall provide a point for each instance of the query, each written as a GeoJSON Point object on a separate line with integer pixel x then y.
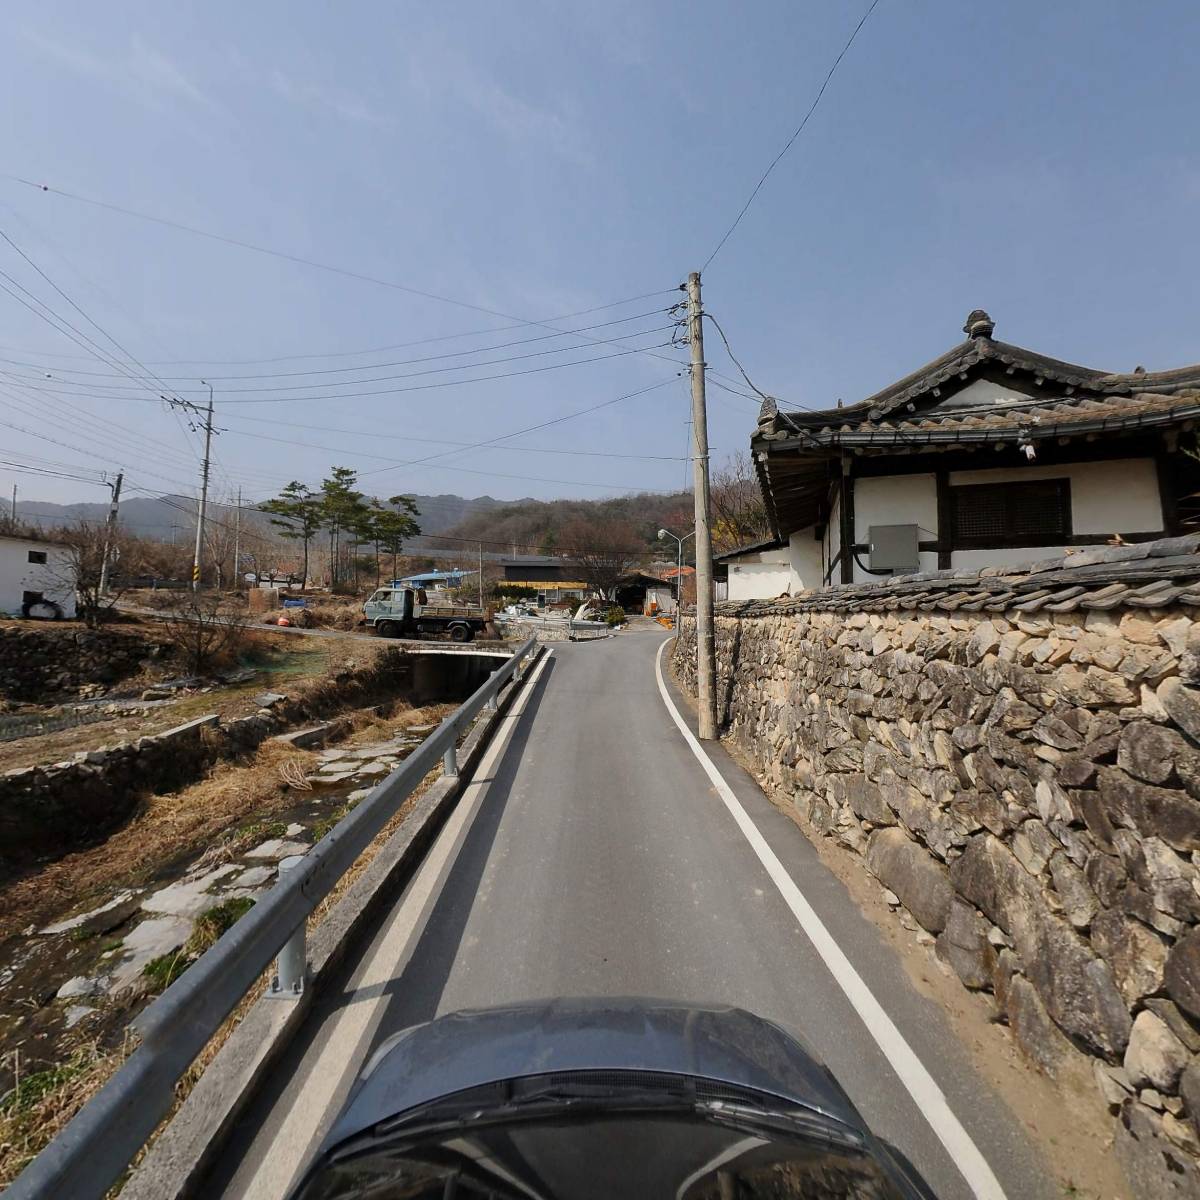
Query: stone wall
{"type": "Point", "coordinates": [1027, 783]}
{"type": "Point", "coordinates": [41, 661]}
{"type": "Point", "coordinates": [57, 807]}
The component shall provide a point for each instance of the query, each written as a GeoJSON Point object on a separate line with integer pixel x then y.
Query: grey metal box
{"type": "Point", "coordinates": [893, 548]}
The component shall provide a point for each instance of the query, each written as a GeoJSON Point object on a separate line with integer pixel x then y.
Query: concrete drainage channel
{"type": "Point", "coordinates": [96, 1146]}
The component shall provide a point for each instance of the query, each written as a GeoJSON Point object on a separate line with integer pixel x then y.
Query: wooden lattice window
{"type": "Point", "coordinates": [1035, 512]}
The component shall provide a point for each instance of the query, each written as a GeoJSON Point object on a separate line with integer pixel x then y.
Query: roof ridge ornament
{"type": "Point", "coordinates": [979, 324]}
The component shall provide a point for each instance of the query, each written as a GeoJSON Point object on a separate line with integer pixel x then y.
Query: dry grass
{"type": "Point", "coordinates": [166, 828]}
{"type": "Point", "coordinates": [43, 1102]}
{"type": "Point", "coordinates": [336, 612]}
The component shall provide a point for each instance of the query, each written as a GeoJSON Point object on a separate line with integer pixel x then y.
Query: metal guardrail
{"type": "Point", "coordinates": [92, 1152]}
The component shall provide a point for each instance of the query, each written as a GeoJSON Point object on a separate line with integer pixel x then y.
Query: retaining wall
{"type": "Point", "coordinates": [53, 808]}
{"type": "Point", "coordinates": [43, 660]}
{"type": "Point", "coordinates": [1026, 780]}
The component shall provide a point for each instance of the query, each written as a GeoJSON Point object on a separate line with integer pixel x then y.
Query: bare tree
{"type": "Point", "coordinates": [81, 568]}
{"type": "Point", "coordinates": [738, 513]}
{"type": "Point", "coordinates": [603, 551]}
{"type": "Point", "coordinates": [204, 630]}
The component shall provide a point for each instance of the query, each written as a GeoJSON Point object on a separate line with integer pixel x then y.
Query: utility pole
{"type": "Point", "coordinates": [208, 423]}
{"type": "Point", "coordinates": [109, 529]}
{"type": "Point", "coordinates": [705, 647]}
{"type": "Point", "coordinates": [481, 577]}
{"type": "Point", "coordinates": [13, 515]}
{"type": "Point", "coordinates": [237, 544]}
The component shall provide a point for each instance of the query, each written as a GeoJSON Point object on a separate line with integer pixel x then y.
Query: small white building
{"type": "Point", "coordinates": [35, 578]}
{"type": "Point", "coordinates": [989, 455]}
{"type": "Point", "coordinates": [759, 571]}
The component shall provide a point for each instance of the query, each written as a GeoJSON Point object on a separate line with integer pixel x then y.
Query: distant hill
{"type": "Point", "coordinates": [156, 516]}
{"type": "Point", "coordinates": [537, 525]}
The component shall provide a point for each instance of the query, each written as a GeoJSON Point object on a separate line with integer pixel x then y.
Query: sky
{"type": "Point", "coordinates": [529, 161]}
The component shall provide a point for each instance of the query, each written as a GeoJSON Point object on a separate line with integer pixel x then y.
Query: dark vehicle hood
{"type": "Point", "coordinates": [475, 1047]}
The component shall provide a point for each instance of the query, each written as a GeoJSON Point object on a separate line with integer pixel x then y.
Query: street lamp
{"type": "Point", "coordinates": [663, 534]}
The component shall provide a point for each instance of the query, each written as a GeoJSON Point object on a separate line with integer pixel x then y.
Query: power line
{"type": "Point", "coordinates": [376, 434]}
{"type": "Point", "coordinates": [443, 337]}
{"type": "Point", "coordinates": [404, 362]}
{"type": "Point", "coordinates": [788, 145]}
{"type": "Point", "coordinates": [533, 428]}
{"type": "Point", "coordinates": [339, 383]}
{"type": "Point", "coordinates": [281, 254]}
{"type": "Point", "coordinates": [423, 387]}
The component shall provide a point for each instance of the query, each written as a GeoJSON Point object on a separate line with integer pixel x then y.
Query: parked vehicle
{"type": "Point", "coordinates": [407, 612]}
{"type": "Point", "coordinates": [575, 1099]}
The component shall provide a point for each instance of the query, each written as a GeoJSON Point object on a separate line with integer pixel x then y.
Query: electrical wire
{"type": "Point", "coordinates": [403, 362]}
{"type": "Point", "coordinates": [788, 145]}
{"type": "Point", "coordinates": [443, 337]}
{"type": "Point", "coordinates": [533, 428]}
{"type": "Point", "coordinates": [280, 254]}
{"type": "Point", "coordinates": [423, 387]}
{"type": "Point", "coordinates": [296, 387]}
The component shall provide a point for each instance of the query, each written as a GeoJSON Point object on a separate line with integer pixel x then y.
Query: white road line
{"type": "Point", "coordinates": [920, 1085]}
{"type": "Point", "coordinates": [346, 1032]}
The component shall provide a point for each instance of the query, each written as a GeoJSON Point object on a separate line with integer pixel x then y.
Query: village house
{"type": "Point", "coordinates": [990, 455]}
{"type": "Point", "coordinates": [552, 578]}
{"type": "Point", "coordinates": [35, 578]}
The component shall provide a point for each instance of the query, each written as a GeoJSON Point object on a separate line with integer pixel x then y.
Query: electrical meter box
{"type": "Point", "coordinates": [894, 548]}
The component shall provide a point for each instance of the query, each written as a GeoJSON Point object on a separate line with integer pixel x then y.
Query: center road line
{"type": "Point", "coordinates": [920, 1085]}
{"type": "Point", "coordinates": [348, 1031]}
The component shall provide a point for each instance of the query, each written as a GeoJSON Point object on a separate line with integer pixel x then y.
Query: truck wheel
{"type": "Point", "coordinates": [460, 633]}
{"type": "Point", "coordinates": [388, 629]}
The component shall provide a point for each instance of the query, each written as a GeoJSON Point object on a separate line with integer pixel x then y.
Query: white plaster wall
{"type": "Point", "coordinates": [758, 580]}
{"type": "Point", "coordinates": [806, 559]}
{"type": "Point", "coordinates": [18, 575]}
{"type": "Point", "coordinates": [895, 500]}
{"type": "Point", "coordinates": [984, 391]}
{"type": "Point", "coordinates": [1114, 496]}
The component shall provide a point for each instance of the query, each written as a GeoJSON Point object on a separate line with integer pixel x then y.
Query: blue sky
{"type": "Point", "coordinates": [536, 159]}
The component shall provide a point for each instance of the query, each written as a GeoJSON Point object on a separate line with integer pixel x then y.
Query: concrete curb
{"type": "Point", "coordinates": [178, 1159]}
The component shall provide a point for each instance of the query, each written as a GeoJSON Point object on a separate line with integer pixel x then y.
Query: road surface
{"type": "Point", "coordinates": [593, 855]}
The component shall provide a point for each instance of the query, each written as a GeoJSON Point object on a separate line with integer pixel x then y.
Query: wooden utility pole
{"type": "Point", "coordinates": [705, 647]}
{"type": "Point", "coordinates": [109, 529]}
{"type": "Point", "coordinates": [208, 422]}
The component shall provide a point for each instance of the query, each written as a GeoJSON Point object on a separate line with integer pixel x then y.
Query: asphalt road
{"type": "Point", "coordinates": [594, 856]}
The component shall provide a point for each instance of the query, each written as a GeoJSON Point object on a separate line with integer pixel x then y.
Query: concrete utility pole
{"type": "Point", "coordinates": [13, 515]}
{"type": "Point", "coordinates": [109, 529]}
{"type": "Point", "coordinates": [481, 577]}
{"type": "Point", "coordinates": [208, 422]}
{"type": "Point", "coordinates": [237, 544]}
{"type": "Point", "coordinates": [705, 647]}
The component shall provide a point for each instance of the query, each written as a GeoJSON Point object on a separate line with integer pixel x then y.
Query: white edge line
{"type": "Point", "coordinates": [920, 1085]}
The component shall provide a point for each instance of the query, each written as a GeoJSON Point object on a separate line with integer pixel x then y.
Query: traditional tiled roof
{"type": "Point", "coordinates": [1028, 420]}
{"type": "Point", "coordinates": [794, 452]}
{"type": "Point", "coordinates": [1146, 575]}
{"type": "Point", "coordinates": [771, 543]}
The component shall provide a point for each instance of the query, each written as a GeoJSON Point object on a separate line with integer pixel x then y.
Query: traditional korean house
{"type": "Point", "coordinates": [989, 455]}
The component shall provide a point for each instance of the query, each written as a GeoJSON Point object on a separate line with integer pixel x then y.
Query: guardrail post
{"type": "Point", "coordinates": [450, 760]}
{"type": "Point", "coordinates": [292, 963]}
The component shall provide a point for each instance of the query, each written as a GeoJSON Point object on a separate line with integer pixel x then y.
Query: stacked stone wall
{"type": "Point", "coordinates": [40, 661]}
{"type": "Point", "coordinates": [1028, 785]}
